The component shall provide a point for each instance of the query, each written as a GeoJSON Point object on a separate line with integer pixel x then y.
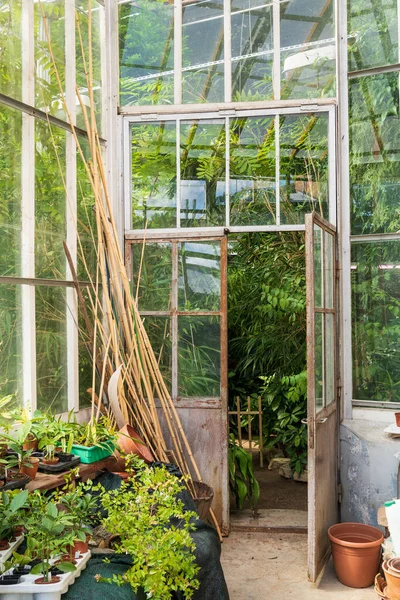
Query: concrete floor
{"type": "Point", "coordinates": [265, 566]}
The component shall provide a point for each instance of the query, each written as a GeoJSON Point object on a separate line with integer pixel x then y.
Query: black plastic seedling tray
{"type": "Point", "coordinates": [62, 465]}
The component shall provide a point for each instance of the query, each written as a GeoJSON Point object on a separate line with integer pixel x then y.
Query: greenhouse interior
{"type": "Point", "coordinates": [199, 299]}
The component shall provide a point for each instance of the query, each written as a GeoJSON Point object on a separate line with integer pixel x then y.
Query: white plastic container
{"type": "Point", "coordinates": [393, 517]}
{"type": "Point", "coordinates": [5, 554]}
{"type": "Point", "coordinates": [27, 589]}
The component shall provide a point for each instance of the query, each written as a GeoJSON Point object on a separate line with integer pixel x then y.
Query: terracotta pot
{"type": "Point", "coordinates": [50, 461]}
{"type": "Point", "coordinates": [356, 550]}
{"type": "Point", "coordinates": [393, 582]}
{"type": "Point", "coordinates": [41, 580]}
{"type": "Point", "coordinates": [130, 442]}
{"type": "Point", "coordinates": [31, 471]}
{"type": "Point", "coordinates": [81, 547]}
{"type": "Point", "coordinates": [397, 417]}
{"type": "Point", "coordinates": [31, 443]}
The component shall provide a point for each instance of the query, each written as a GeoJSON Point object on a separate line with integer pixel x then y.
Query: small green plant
{"type": "Point", "coordinates": [155, 531]}
{"type": "Point", "coordinates": [48, 537]}
{"type": "Point", "coordinates": [285, 401]}
{"type": "Point", "coordinates": [11, 514]}
{"type": "Point", "coordinates": [100, 433]}
{"type": "Point", "coordinates": [242, 481]}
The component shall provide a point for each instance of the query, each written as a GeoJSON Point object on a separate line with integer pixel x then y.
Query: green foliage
{"type": "Point", "coordinates": [11, 513]}
{"type": "Point", "coordinates": [285, 405]}
{"type": "Point", "coordinates": [267, 324]}
{"type": "Point", "coordinates": [162, 553]}
{"type": "Point", "coordinates": [242, 481]}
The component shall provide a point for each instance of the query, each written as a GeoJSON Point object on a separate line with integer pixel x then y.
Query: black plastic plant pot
{"type": "Point", "coordinates": [22, 570]}
{"type": "Point", "coordinates": [56, 571]}
{"type": "Point", "coordinates": [38, 454]}
{"type": "Point", "coordinates": [64, 456]}
{"type": "Point", "coordinates": [10, 579]}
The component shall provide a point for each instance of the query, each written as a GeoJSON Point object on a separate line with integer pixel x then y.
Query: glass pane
{"type": "Point", "coordinates": [50, 201]}
{"type": "Point", "coordinates": [304, 167]}
{"type": "Point", "coordinates": [330, 380]}
{"type": "Point", "coordinates": [159, 332]}
{"type": "Point", "coordinates": [155, 275]}
{"type": "Point", "coordinates": [203, 173]}
{"type": "Point", "coordinates": [203, 51]}
{"type": "Point", "coordinates": [329, 270]}
{"type": "Point", "coordinates": [51, 348]}
{"type": "Point", "coordinates": [85, 355]}
{"type": "Point", "coordinates": [252, 171]}
{"type": "Point", "coordinates": [319, 362]}
{"type": "Point", "coordinates": [48, 96]}
{"type": "Point", "coordinates": [146, 46]}
{"type": "Point", "coordinates": [199, 274]}
{"type": "Point", "coordinates": [10, 341]}
{"type": "Point", "coordinates": [10, 190]}
{"type": "Point", "coordinates": [82, 40]}
{"type": "Point", "coordinates": [318, 267]}
{"type": "Point", "coordinates": [252, 51]}
{"type": "Point", "coordinates": [11, 50]}
{"type": "Point", "coordinates": [308, 49]}
{"type": "Point", "coordinates": [376, 311]}
{"type": "Point", "coordinates": [153, 175]}
{"type": "Point", "coordinates": [199, 357]}
{"type": "Point", "coordinates": [373, 34]}
{"type": "Point", "coordinates": [375, 153]}
{"type": "Point", "coordinates": [86, 219]}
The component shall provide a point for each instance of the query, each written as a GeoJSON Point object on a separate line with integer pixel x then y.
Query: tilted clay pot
{"type": "Point", "coordinates": [130, 442]}
{"type": "Point", "coordinates": [33, 469]}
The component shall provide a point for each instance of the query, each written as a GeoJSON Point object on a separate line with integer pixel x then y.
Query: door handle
{"type": "Point", "coordinates": [304, 421]}
{"type": "Point", "coordinates": [323, 420]}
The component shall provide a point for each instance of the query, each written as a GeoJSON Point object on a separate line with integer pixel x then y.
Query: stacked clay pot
{"type": "Point", "coordinates": [391, 569]}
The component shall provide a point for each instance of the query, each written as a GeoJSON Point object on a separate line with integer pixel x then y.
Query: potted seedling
{"type": "Point", "coordinates": [94, 440]}
{"type": "Point", "coordinates": [11, 515]}
{"type": "Point", "coordinates": [19, 466]}
{"type": "Point", "coordinates": [48, 537]}
{"type": "Point", "coordinates": [164, 560]}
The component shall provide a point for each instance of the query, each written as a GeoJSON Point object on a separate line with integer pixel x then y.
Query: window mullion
{"type": "Point", "coordinates": [276, 75]}
{"type": "Point", "coordinates": [178, 52]}
{"type": "Point", "coordinates": [71, 209]}
{"type": "Point", "coordinates": [28, 208]}
{"type": "Point", "coordinates": [228, 50]}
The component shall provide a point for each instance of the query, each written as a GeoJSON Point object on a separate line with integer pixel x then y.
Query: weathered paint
{"type": "Point", "coordinates": [369, 469]}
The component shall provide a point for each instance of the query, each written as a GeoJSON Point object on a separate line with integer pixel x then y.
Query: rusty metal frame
{"type": "Point", "coordinates": [174, 313]}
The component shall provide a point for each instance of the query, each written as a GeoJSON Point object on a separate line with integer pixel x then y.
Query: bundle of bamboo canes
{"type": "Point", "coordinates": [117, 334]}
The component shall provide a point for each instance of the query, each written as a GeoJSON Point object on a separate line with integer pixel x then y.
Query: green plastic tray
{"type": "Point", "coordinates": [93, 453]}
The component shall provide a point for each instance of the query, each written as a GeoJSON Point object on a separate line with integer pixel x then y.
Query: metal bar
{"type": "Point", "coordinates": [36, 281]}
{"type": "Point", "coordinates": [376, 404]}
{"type": "Point", "coordinates": [204, 233]}
{"type": "Point", "coordinates": [199, 109]}
{"type": "Point", "coordinates": [43, 116]}
{"type": "Point", "coordinates": [228, 50]}
{"type": "Point", "coordinates": [180, 313]}
{"type": "Point", "coordinates": [28, 207]}
{"type": "Point", "coordinates": [325, 311]}
{"type": "Point", "coordinates": [177, 52]}
{"type": "Point", "coordinates": [375, 237]}
{"type": "Point", "coordinates": [276, 68]}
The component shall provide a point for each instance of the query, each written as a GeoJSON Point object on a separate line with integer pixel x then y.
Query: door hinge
{"type": "Point", "coordinates": [339, 493]}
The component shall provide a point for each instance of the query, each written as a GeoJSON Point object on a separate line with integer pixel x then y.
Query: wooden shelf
{"type": "Point", "coordinates": [46, 481]}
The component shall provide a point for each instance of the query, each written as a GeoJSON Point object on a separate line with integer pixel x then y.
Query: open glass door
{"type": "Point", "coordinates": [322, 389]}
{"type": "Point", "coordinates": [180, 286]}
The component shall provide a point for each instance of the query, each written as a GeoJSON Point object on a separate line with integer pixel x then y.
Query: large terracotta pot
{"type": "Point", "coordinates": [130, 442]}
{"type": "Point", "coordinates": [356, 550]}
{"type": "Point", "coordinates": [392, 576]}
{"type": "Point", "coordinates": [33, 469]}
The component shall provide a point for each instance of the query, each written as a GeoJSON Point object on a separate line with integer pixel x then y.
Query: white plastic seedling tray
{"type": "Point", "coordinates": [27, 589]}
{"type": "Point", "coordinates": [5, 554]}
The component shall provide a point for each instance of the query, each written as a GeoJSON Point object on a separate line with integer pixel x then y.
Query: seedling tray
{"type": "Point", "coordinates": [5, 554]}
{"type": "Point", "coordinates": [62, 465]}
{"type": "Point", "coordinates": [27, 589]}
{"type": "Point", "coordinates": [16, 484]}
{"type": "Point", "coordinates": [92, 454]}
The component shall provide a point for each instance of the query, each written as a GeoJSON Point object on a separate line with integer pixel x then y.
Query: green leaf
{"type": "Point", "coordinates": [18, 501]}
{"type": "Point", "coordinates": [66, 567]}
